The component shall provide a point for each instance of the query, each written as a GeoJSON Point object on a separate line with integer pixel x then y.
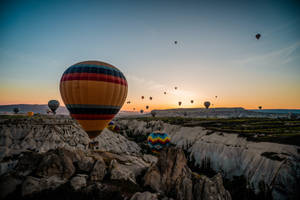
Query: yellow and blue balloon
{"type": "Point", "coordinates": [93, 92]}
{"type": "Point", "coordinates": [158, 140]}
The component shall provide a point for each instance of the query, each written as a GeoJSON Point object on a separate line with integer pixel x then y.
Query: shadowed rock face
{"type": "Point", "coordinates": [56, 174]}
{"type": "Point", "coordinates": [172, 177]}
{"type": "Point", "coordinates": [276, 166]}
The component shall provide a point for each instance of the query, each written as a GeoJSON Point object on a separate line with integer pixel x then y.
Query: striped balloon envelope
{"type": "Point", "coordinates": [158, 140]}
{"type": "Point", "coordinates": [93, 92]}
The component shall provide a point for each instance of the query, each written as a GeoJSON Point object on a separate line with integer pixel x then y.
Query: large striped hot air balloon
{"type": "Point", "coordinates": [158, 140]}
{"type": "Point", "coordinates": [93, 92]}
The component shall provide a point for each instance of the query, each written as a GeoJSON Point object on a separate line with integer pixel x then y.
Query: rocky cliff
{"type": "Point", "coordinates": [78, 174]}
{"type": "Point", "coordinates": [271, 166]}
{"type": "Point", "coordinates": [49, 158]}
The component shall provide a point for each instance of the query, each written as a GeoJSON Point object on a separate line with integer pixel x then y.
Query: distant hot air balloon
{"type": "Point", "coordinates": [141, 111]}
{"type": "Point", "coordinates": [216, 96]}
{"type": "Point", "coordinates": [206, 104]}
{"type": "Point", "coordinates": [16, 110]}
{"type": "Point", "coordinates": [259, 107]}
{"type": "Point", "coordinates": [165, 92]}
{"type": "Point", "coordinates": [179, 103]}
{"type": "Point", "coordinates": [133, 108]}
{"type": "Point", "coordinates": [175, 42]}
{"type": "Point", "coordinates": [128, 102]}
{"type": "Point", "coordinates": [175, 87]}
{"type": "Point", "coordinates": [30, 114]}
{"type": "Point", "coordinates": [93, 92]}
{"type": "Point", "coordinates": [53, 105]}
{"type": "Point", "coordinates": [147, 107]}
{"type": "Point", "coordinates": [142, 97]}
{"type": "Point", "coordinates": [153, 113]}
{"type": "Point", "coordinates": [113, 127]}
{"type": "Point", "coordinates": [158, 140]}
{"type": "Point", "coordinates": [150, 98]}
{"type": "Point", "coordinates": [257, 36]}
{"type": "Point", "coordinates": [192, 101]}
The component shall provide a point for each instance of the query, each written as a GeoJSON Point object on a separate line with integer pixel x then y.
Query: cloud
{"type": "Point", "coordinates": [280, 56]}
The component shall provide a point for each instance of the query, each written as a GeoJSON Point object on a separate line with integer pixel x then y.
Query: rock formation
{"type": "Point", "coordinates": [276, 166]}
{"type": "Point", "coordinates": [83, 174]}
{"type": "Point", "coordinates": [41, 135]}
{"type": "Point", "coordinates": [171, 176]}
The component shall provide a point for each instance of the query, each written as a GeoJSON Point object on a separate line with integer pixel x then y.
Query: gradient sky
{"type": "Point", "coordinates": [216, 54]}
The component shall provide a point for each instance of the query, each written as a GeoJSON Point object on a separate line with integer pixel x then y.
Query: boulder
{"type": "Point", "coordinates": [144, 196]}
{"type": "Point", "coordinates": [120, 172]}
{"type": "Point", "coordinates": [99, 170]}
{"type": "Point", "coordinates": [33, 185]}
{"type": "Point", "coordinates": [28, 162]}
{"type": "Point", "coordinates": [78, 181]}
{"type": "Point", "coordinates": [57, 163]}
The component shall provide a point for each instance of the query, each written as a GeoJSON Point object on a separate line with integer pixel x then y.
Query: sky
{"type": "Point", "coordinates": [217, 53]}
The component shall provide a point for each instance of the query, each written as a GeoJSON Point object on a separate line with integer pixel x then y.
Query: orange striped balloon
{"type": "Point", "coordinates": [93, 92]}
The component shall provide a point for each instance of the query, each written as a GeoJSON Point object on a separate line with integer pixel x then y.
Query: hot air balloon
{"type": "Point", "coordinates": [147, 107]}
{"type": "Point", "coordinates": [206, 104]}
{"type": "Point", "coordinates": [93, 92]}
{"type": "Point", "coordinates": [30, 114]}
{"type": "Point", "coordinates": [175, 42]}
{"type": "Point", "coordinates": [113, 127]}
{"type": "Point", "coordinates": [150, 98]}
{"type": "Point", "coordinates": [133, 108]}
{"type": "Point", "coordinates": [142, 97]}
{"type": "Point", "coordinates": [216, 96]}
{"type": "Point", "coordinates": [192, 101]}
{"type": "Point", "coordinates": [16, 110]}
{"type": "Point", "coordinates": [158, 140]}
{"type": "Point", "coordinates": [175, 87]}
{"type": "Point", "coordinates": [53, 105]}
{"type": "Point", "coordinates": [165, 92]}
{"type": "Point", "coordinates": [128, 102]}
{"type": "Point", "coordinates": [259, 107]}
{"type": "Point", "coordinates": [257, 36]}
{"type": "Point", "coordinates": [179, 103]}
{"type": "Point", "coordinates": [141, 111]}
{"type": "Point", "coordinates": [153, 113]}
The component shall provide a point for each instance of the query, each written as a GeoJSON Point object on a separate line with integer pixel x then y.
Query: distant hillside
{"type": "Point", "coordinates": [236, 112]}
{"type": "Point", "coordinates": [279, 111]}
{"type": "Point", "coordinates": [36, 108]}
{"type": "Point", "coordinates": [42, 109]}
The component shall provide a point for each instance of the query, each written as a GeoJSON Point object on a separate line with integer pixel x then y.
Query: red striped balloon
{"type": "Point", "coordinates": [93, 92]}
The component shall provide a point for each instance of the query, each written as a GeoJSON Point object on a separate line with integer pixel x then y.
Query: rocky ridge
{"type": "Point", "coordinates": [44, 134]}
{"type": "Point", "coordinates": [78, 174]}
{"type": "Point", "coordinates": [275, 166]}
{"type": "Point", "coordinates": [49, 158]}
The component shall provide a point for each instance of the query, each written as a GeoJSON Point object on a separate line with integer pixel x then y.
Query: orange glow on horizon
{"type": "Point", "coordinates": [37, 95]}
